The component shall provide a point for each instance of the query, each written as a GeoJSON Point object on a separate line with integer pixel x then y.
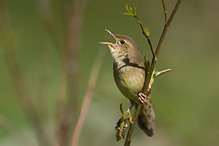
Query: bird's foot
{"type": "Point", "coordinates": [127, 115]}
{"type": "Point", "coordinates": [142, 98]}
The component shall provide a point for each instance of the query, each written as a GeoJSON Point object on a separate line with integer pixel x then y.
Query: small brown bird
{"type": "Point", "coordinates": [129, 75]}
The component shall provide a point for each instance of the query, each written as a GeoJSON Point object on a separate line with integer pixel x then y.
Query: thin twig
{"type": "Point", "coordinates": [24, 97]}
{"type": "Point", "coordinates": [60, 108]}
{"type": "Point", "coordinates": [165, 11]}
{"type": "Point", "coordinates": [17, 77]}
{"type": "Point", "coordinates": [166, 27]}
{"type": "Point", "coordinates": [146, 85]}
{"type": "Point", "coordinates": [147, 36]}
{"type": "Point", "coordinates": [68, 110]}
{"type": "Point", "coordinates": [88, 96]}
{"type": "Point", "coordinates": [132, 125]}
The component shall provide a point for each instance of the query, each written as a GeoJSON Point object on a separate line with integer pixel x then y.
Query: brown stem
{"type": "Point", "coordinates": [165, 11]}
{"type": "Point", "coordinates": [88, 96]}
{"type": "Point", "coordinates": [166, 27]}
{"type": "Point", "coordinates": [132, 126]}
{"type": "Point", "coordinates": [148, 78]}
{"type": "Point", "coordinates": [60, 109]}
{"type": "Point", "coordinates": [24, 97]}
{"type": "Point", "coordinates": [67, 107]}
{"type": "Point", "coordinates": [17, 78]}
{"type": "Point", "coordinates": [143, 31]}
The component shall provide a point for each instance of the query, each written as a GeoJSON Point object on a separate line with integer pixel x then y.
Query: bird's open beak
{"type": "Point", "coordinates": [108, 43]}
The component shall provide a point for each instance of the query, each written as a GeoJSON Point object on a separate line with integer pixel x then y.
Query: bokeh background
{"type": "Point", "coordinates": [36, 34]}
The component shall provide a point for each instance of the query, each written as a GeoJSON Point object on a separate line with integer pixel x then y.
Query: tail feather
{"type": "Point", "coordinates": [146, 119]}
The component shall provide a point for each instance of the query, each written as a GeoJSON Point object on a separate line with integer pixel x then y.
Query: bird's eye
{"type": "Point", "coordinates": [122, 42]}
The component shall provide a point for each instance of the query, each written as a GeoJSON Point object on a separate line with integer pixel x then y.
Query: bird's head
{"type": "Point", "coordinates": [123, 48]}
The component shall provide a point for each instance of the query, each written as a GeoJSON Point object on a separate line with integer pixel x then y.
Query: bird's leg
{"type": "Point", "coordinates": [142, 98]}
{"type": "Point", "coordinates": [132, 104]}
{"type": "Point", "coordinates": [127, 114]}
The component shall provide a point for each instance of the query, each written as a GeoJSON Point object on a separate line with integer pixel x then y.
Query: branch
{"type": "Point", "coordinates": [68, 107]}
{"type": "Point", "coordinates": [145, 33]}
{"type": "Point", "coordinates": [146, 89]}
{"type": "Point", "coordinates": [132, 12]}
{"type": "Point", "coordinates": [132, 126]}
{"type": "Point", "coordinates": [24, 96]}
{"type": "Point", "coordinates": [17, 77]}
{"type": "Point", "coordinates": [166, 27]}
{"type": "Point", "coordinates": [165, 11]}
{"type": "Point", "coordinates": [88, 96]}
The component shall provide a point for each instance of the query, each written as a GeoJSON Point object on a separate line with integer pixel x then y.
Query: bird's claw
{"type": "Point", "coordinates": [142, 98]}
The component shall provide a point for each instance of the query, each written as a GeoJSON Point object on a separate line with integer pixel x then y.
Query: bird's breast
{"type": "Point", "coordinates": [129, 79]}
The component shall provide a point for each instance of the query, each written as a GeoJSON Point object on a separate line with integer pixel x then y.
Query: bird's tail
{"type": "Point", "coordinates": [146, 119]}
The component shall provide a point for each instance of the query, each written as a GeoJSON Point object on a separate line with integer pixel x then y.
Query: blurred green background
{"type": "Point", "coordinates": [185, 100]}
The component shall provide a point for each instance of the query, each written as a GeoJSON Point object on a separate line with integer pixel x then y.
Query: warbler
{"type": "Point", "coordinates": [129, 74]}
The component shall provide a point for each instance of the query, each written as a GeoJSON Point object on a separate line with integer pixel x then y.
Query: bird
{"type": "Point", "coordinates": [129, 75]}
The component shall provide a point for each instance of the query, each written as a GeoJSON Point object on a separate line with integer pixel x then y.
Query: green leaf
{"type": "Point", "coordinates": [131, 11]}
{"type": "Point", "coordinates": [128, 8]}
{"type": "Point", "coordinates": [147, 32]}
